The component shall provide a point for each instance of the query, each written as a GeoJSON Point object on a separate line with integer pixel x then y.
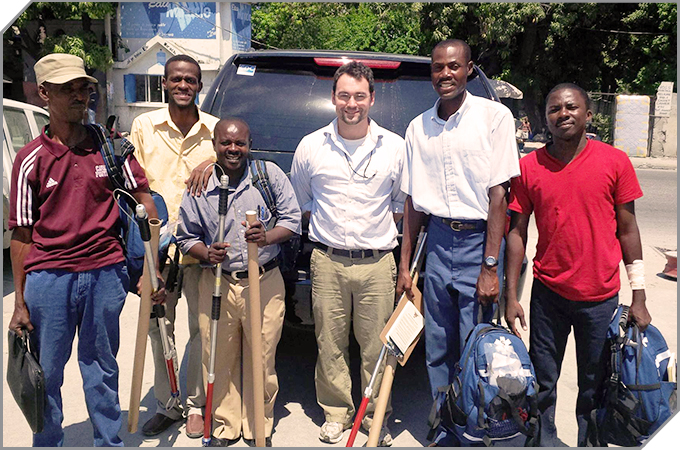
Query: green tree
{"type": "Point", "coordinates": [603, 47]}
{"type": "Point", "coordinates": [383, 27]}
{"type": "Point", "coordinates": [84, 43]}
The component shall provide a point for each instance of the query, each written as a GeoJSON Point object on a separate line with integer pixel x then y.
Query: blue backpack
{"type": "Point", "coordinates": [133, 246]}
{"type": "Point", "coordinates": [492, 400]}
{"type": "Point", "coordinates": [638, 398]}
{"type": "Point", "coordinates": [290, 248]}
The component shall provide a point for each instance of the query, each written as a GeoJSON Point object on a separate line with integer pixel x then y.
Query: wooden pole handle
{"type": "Point", "coordinates": [381, 402]}
{"type": "Point", "coordinates": [142, 332]}
{"type": "Point", "coordinates": [256, 336]}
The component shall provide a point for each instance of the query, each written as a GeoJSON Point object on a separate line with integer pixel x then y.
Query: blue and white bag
{"type": "Point", "coordinates": [492, 400]}
{"type": "Point", "coordinates": [638, 397]}
{"type": "Point", "coordinates": [114, 156]}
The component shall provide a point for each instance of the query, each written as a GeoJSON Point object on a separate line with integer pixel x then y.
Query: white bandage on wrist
{"type": "Point", "coordinates": [636, 274]}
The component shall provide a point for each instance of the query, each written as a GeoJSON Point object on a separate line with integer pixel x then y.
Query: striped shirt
{"type": "Point", "coordinates": [65, 196]}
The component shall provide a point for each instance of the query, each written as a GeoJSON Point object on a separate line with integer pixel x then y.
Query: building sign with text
{"type": "Point", "coordinates": [179, 20]}
{"type": "Point", "coordinates": [240, 26]}
{"type": "Point", "coordinates": [664, 97]}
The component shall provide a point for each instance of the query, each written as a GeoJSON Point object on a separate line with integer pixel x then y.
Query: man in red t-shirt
{"type": "Point", "coordinates": [582, 193]}
{"type": "Point", "coordinates": [67, 260]}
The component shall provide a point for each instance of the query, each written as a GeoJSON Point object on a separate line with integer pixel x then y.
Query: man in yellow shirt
{"type": "Point", "coordinates": [169, 143]}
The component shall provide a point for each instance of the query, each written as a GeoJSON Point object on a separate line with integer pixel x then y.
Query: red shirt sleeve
{"type": "Point", "coordinates": [627, 186]}
{"type": "Point", "coordinates": [135, 177]}
{"type": "Point", "coordinates": [519, 195]}
{"type": "Point", "coordinates": [24, 204]}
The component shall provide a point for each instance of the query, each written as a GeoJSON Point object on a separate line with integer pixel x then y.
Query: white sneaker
{"type": "Point", "coordinates": [385, 439]}
{"type": "Point", "coordinates": [331, 432]}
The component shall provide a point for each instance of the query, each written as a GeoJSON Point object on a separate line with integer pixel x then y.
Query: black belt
{"type": "Point", "coordinates": [354, 254]}
{"type": "Point", "coordinates": [465, 225]}
{"type": "Point", "coordinates": [243, 274]}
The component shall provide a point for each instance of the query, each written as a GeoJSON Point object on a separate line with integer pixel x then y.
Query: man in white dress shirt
{"type": "Point", "coordinates": [460, 157]}
{"type": "Point", "coordinates": [347, 178]}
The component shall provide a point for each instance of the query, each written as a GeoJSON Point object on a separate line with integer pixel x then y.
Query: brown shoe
{"type": "Point", "coordinates": [194, 426]}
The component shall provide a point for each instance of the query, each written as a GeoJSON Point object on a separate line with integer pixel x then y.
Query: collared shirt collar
{"type": "Point", "coordinates": [375, 132]}
{"type": "Point", "coordinates": [165, 117]}
{"type": "Point", "coordinates": [57, 149]}
{"type": "Point", "coordinates": [214, 181]}
{"type": "Point", "coordinates": [455, 117]}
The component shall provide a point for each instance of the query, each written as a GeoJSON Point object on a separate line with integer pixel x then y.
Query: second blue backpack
{"type": "Point", "coordinates": [638, 396]}
{"type": "Point", "coordinates": [492, 400]}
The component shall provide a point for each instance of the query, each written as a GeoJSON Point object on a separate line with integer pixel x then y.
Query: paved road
{"type": "Point", "coordinates": [657, 210]}
{"type": "Point", "coordinates": [298, 417]}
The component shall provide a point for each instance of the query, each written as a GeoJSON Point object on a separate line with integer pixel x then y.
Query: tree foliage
{"type": "Point", "coordinates": [388, 27]}
{"type": "Point", "coordinates": [83, 43]}
{"type": "Point", "coordinates": [604, 47]}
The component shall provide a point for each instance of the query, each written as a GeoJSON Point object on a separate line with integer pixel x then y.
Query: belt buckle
{"type": "Point", "coordinates": [235, 274]}
{"type": "Point", "coordinates": [455, 225]}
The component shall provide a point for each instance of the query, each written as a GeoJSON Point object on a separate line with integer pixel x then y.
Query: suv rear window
{"type": "Point", "coordinates": [283, 99]}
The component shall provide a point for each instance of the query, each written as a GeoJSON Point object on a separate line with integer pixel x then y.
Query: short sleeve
{"type": "Point", "coordinates": [627, 186]}
{"type": "Point", "coordinates": [24, 205]}
{"type": "Point", "coordinates": [520, 200]}
{"type": "Point", "coordinates": [135, 177]}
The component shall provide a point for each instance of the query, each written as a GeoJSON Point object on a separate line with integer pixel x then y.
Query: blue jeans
{"type": "Point", "coordinates": [61, 303]}
{"type": "Point", "coordinates": [454, 261]}
{"type": "Point", "coordinates": [552, 318]}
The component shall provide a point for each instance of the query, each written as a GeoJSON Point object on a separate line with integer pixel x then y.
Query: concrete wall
{"type": "Point", "coordinates": [665, 133]}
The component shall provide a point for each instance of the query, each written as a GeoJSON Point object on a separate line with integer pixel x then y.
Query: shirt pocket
{"type": "Point", "coordinates": [378, 179]}
{"type": "Point", "coordinates": [476, 165]}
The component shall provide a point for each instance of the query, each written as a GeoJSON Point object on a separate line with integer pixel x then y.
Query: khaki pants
{"type": "Point", "coordinates": [233, 390]}
{"type": "Point", "coordinates": [194, 387]}
{"type": "Point", "coordinates": [348, 290]}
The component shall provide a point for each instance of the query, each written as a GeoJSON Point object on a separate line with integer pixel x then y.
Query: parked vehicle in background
{"type": "Point", "coordinates": [286, 94]}
{"type": "Point", "coordinates": [21, 123]}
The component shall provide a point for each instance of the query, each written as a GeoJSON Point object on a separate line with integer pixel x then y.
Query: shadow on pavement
{"type": "Point", "coordinates": [81, 434]}
{"type": "Point", "coordinates": [7, 279]}
{"type": "Point", "coordinates": [295, 362]}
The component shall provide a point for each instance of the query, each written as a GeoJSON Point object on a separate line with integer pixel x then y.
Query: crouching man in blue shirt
{"type": "Point", "coordinates": [197, 231]}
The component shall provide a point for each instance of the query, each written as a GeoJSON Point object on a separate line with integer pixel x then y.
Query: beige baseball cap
{"type": "Point", "coordinates": [60, 68]}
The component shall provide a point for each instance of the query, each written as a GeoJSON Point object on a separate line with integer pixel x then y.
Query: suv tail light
{"type": "Point", "coordinates": [372, 63]}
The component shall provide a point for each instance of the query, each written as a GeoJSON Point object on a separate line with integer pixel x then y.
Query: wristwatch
{"type": "Point", "coordinates": [490, 262]}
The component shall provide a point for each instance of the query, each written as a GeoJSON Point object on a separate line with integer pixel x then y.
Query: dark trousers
{"type": "Point", "coordinates": [552, 318]}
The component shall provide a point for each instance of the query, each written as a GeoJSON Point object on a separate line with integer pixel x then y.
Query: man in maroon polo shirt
{"type": "Point", "coordinates": [68, 264]}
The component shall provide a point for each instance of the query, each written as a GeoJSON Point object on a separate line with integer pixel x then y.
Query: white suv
{"type": "Point", "coordinates": [21, 123]}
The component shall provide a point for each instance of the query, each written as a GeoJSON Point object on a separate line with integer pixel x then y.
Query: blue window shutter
{"type": "Point", "coordinates": [130, 86]}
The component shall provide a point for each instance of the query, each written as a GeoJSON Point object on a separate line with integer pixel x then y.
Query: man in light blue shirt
{"type": "Point", "coordinates": [196, 235]}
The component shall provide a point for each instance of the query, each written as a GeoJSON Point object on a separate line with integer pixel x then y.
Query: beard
{"type": "Point", "coordinates": [353, 119]}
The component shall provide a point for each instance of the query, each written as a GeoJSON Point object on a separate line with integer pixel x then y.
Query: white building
{"type": "Point", "coordinates": [152, 32]}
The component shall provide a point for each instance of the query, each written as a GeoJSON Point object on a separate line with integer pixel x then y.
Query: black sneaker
{"type": "Point", "coordinates": [220, 442]}
{"type": "Point", "coordinates": [251, 442]}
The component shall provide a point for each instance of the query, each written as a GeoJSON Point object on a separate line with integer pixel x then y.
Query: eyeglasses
{"type": "Point", "coordinates": [358, 97]}
{"type": "Point", "coordinates": [365, 168]}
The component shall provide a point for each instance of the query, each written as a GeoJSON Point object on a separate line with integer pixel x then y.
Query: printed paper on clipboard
{"type": "Point", "coordinates": [405, 329]}
{"type": "Point", "coordinates": [245, 69]}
